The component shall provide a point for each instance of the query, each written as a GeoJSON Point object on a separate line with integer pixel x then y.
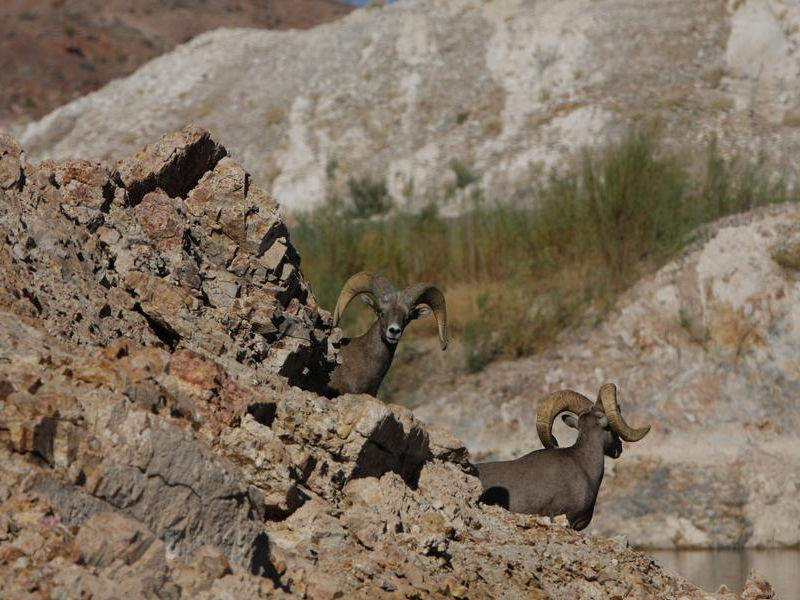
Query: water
{"type": "Point", "coordinates": [709, 569]}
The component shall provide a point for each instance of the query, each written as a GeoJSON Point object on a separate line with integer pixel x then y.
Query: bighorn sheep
{"type": "Point", "coordinates": [366, 359]}
{"type": "Point", "coordinates": [555, 481]}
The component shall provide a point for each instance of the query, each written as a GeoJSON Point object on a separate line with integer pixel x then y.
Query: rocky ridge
{"type": "Point", "coordinates": [173, 246]}
{"type": "Point", "coordinates": [417, 92]}
{"type": "Point", "coordinates": [142, 457]}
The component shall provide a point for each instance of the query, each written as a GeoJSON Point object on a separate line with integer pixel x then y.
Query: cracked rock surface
{"type": "Point", "coordinates": [149, 446]}
{"type": "Point", "coordinates": [173, 247]}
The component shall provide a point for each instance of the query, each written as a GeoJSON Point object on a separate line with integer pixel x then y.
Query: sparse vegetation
{"type": "Point", "coordinates": [713, 75]}
{"type": "Point", "coordinates": [787, 255]}
{"type": "Point", "coordinates": [721, 102]}
{"type": "Point", "coordinates": [480, 347]}
{"type": "Point", "coordinates": [128, 138]}
{"type": "Point", "coordinates": [698, 333]}
{"type": "Point", "coordinates": [330, 167]}
{"type": "Point", "coordinates": [674, 97]}
{"type": "Point", "coordinates": [274, 115]}
{"type": "Point", "coordinates": [465, 175]}
{"type": "Point", "coordinates": [791, 118]}
{"type": "Point", "coordinates": [408, 188]}
{"type": "Point", "coordinates": [555, 258]}
{"type": "Point", "coordinates": [545, 57]}
{"type": "Point", "coordinates": [493, 127]}
{"type": "Point", "coordinates": [369, 196]}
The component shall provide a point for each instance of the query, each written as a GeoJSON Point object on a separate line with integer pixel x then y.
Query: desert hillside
{"type": "Point", "coordinates": [52, 52]}
{"type": "Point", "coordinates": [439, 99]}
{"type": "Point", "coordinates": [142, 457]}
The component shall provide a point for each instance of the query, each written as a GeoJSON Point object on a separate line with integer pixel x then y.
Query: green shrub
{"type": "Point", "coordinates": [464, 174]}
{"type": "Point", "coordinates": [370, 197]}
{"type": "Point", "coordinates": [787, 255]}
{"type": "Point", "coordinates": [479, 344]}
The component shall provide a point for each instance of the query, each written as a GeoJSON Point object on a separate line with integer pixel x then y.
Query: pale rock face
{"type": "Point", "coordinates": [762, 55]}
{"type": "Point", "coordinates": [507, 88]}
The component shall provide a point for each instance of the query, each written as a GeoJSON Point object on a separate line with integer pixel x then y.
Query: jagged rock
{"type": "Point", "coordinates": [174, 164]}
{"type": "Point", "coordinates": [757, 588]}
{"type": "Point", "coordinates": [106, 537]}
{"type": "Point", "coordinates": [173, 247]}
{"type": "Point", "coordinates": [151, 473]}
{"type": "Point", "coordinates": [10, 163]}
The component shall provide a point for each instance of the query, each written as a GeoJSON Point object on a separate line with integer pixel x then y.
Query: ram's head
{"type": "Point", "coordinates": [394, 309]}
{"type": "Point", "coordinates": [604, 413]}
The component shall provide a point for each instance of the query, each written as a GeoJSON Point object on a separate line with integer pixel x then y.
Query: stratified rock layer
{"type": "Point", "coordinates": [139, 458]}
{"type": "Point", "coordinates": [138, 472]}
{"type": "Point", "coordinates": [172, 247]}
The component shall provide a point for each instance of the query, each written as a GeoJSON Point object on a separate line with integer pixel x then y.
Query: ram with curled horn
{"type": "Point", "coordinates": [366, 359]}
{"type": "Point", "coordinates": [562, 481]}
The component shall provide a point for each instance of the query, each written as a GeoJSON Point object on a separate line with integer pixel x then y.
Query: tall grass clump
{"type": "Point", "coordinates": [517, 274]}
{"type": "Point", "coordinates": [369, 197]}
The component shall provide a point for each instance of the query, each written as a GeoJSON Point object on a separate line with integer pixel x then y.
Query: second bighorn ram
{"type": "Point", "coordinates": [366, 359]}
{"type": "Point", "coordinates": [562, 481]}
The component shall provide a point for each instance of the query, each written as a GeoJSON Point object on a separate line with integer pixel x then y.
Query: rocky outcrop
{"type": "Point", "coordinates": [172, 247]}
{"type": "Point", "coordinates": [706, 350]}
{"type": "Point", "coordinates": [443, 98]}
{"type": "Point", "coordinates": [138, 472]}
{"type": "Point", "coordinates": [148, 451]}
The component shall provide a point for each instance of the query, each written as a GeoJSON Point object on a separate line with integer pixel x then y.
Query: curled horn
{"type": "Point", "coordinates": [360, 283]}
{"type": "Point", "coordinates": [429, 294]}
{"type": "Point", "coordinates": [607, 399]}
{"type": "Point", "coordinates": [551, 406]}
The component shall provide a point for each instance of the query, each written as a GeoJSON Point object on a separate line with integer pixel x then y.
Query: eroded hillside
{"type": "Point", "coordinates": [52, 52]}
{"type": "Point", "coordinates": [442, 98]}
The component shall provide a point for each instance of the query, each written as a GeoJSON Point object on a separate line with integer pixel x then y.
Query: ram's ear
{"type": "Point", "coordinates": [370, 301]}
{"type": "Point", "coordinates": [418, 312]}
{"type": "Point", "coordinates": [570, 420]}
